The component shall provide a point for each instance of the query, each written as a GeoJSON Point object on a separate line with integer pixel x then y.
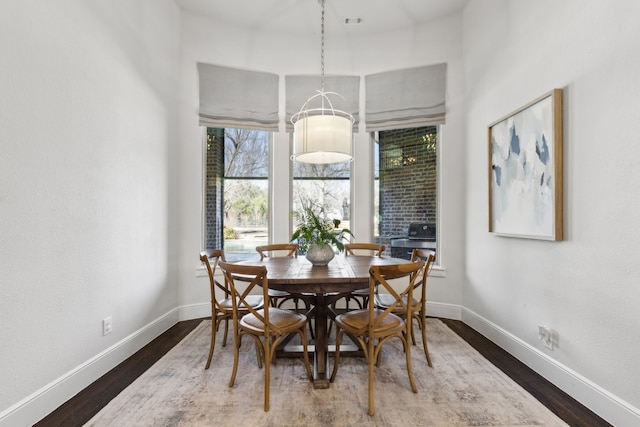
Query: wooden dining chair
{"type": "Point", "coordinates": [268, 326]}
{"type": "Point", "coordinates": [278, 298]}
{"type": "Point", "coordinates": [361, 296]}
{"type": "Point", "coordinates": [221, 305]}
{"type": "Point", "coordinates": [419, 302]}
{"type": "Point", "coordinates": [373, 327]}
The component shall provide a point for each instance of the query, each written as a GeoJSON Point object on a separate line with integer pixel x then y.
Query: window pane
{"type": "Point", "coordinates": [324, 188]}
{"type": "Point", "coordinates": [405, 183]}
{"type": "Point", "coordinates": [246, 153]}
{"type": "Point", "coordinates": [237, 191]}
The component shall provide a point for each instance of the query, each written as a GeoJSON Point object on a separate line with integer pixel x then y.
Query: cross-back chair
{"type": "Point", "coordinates": [268, 326]}
{"type": "Point", "coordinates": [419, 302]}
{"type": "Point", "coordinates": [221, 305]}
{"type": "Point", "coordinates": [278, 298]}
{"type": "Point", "coordinates": [373, 327]}
{"type": "Point", "coordinates": [361, 296]}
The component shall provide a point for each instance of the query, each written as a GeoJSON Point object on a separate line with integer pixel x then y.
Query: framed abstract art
{"type": "Point", "coordinates": [525, 171]}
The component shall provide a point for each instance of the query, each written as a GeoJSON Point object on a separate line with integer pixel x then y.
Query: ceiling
{"type": "Point", "coordinates": [303, 16]}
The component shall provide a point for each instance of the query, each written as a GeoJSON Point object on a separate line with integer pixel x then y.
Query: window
{"type": "Point", "coordinates": [323, 188]}
{"type": "Point", "coordinates": [405, 187]}
{"type": "Point", "coordinates": [236, 191]}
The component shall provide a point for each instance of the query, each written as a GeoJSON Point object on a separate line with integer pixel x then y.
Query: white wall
{"type": "Point", "coordinates": [88, 128]}
{"type": "Point", "coordinates": [205, 40]}
{"type": "Point", "coordinates": [586, 287]}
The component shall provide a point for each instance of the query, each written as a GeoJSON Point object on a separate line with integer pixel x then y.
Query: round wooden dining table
{"type": "Point", "coordinates": [320, 287]}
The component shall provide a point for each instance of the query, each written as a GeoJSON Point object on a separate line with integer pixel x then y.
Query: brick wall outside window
{"type": "Point", "coordinates": [407, 180]}
{"type": "Point", "coordinates": [214, 188]}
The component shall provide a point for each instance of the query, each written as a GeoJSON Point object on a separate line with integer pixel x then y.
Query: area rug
{"type": "Point", "coordinates": [461, 389]}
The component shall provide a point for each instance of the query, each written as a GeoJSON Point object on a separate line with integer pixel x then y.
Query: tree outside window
{"type": "Point", "coordinates": [325, 189]}
{"type": "Point", "coordinates": [237, 188]}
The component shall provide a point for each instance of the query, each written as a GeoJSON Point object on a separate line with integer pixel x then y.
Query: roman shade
{"type": "Point", "coordinates": [230, 97]}
{"type": "Point", "coordinates": [406, 98]}
{"type": "Point", "coordinates": [300, 88]}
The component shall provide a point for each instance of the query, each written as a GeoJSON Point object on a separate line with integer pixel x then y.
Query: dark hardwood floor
{"type": "Point", "coordinates": [83, 406]}
{"type": "Point", "coordinates": [560, 403]}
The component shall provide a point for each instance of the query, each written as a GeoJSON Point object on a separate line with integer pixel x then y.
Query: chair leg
{"type": "Point", "coordinates": [280, 303]}
{"type": "Point", "coordinates": [226, 331]}
{"type": "Point", "coordinates": [259, 355]}
{"type": "Point", "coordinates": [236, 356]}
{"type": "Point", "coordinates": [410, 369]}
{"type": "Point", "coordinates": [413, 335]}
{"type": "Point", "coordinates": [311, 334]}
{"type": "Point", "coordinates": [267, 372]}
{"type": "Point", "coordinates": [305, 352]}
{"type": "Point", "coordinates": [360, 305]}
{"type": "Point", "coordinates": [370, 361]}
{"type": "Point", "coordinates": [424, 342]}
{"type": "Point", "coordinates": [378, 355]}
{"type": "Point", "coordinates": [214, 327]}
{"type": "Point", "coordinates": [336, 358]}
{"type": "Point", "coordinates": [365, 302]}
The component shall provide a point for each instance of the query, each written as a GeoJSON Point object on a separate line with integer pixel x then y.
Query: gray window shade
{"type": "Point", "coordinates": [406, 98]}
{"type": "Point", "coordinates": [300, 88]}
{"type": "Point", "coordinates": [230, 97]}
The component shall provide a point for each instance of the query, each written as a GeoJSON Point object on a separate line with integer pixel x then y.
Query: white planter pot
{"type": "Point", "coordinates": [320, 254]}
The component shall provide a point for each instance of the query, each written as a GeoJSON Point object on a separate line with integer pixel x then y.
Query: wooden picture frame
{"type": "Point", "coordinates": [525, 171]}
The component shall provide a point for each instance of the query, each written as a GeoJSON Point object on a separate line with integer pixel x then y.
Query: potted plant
{"type": "Point", "coordinates": [316, 236]}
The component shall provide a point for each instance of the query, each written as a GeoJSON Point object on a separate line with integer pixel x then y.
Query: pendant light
{"type": "Point", "coordinates": [322, 134]}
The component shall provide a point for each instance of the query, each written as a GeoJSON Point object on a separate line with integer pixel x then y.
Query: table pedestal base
{"type": "Point", "coordinates": [320, 349]}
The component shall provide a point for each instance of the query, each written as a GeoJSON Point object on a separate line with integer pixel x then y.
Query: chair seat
{"type": "Point", "coordinates": [281, 319]}
{"type": "Point", "coordinates": [256, 301]}
{"type": "Point", "coordinates": [383, 301]}
{"type": "Point", "coordinates": [358, 320]}
{"type": "Point", "coordinates": [361, 292]}
{"type": "Point", "coordinates": [277, 293]}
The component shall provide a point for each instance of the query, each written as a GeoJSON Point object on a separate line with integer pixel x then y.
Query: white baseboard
{"type": "Point", "coordinates": [194, 311]}
{"type": "Point", "coordinates": [39, 404]}
{"type": "Point", "coordinates": [447, 311]}
{"type": "Point", "coordinates": [609, 407]}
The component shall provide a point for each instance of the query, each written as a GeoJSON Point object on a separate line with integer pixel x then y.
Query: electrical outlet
{"type": "Point", "coordinates": [549, 342]}
{"type": "Point", "coordinates": [107, 326]}
{"type": "Point", "coordinates": [546, 336]}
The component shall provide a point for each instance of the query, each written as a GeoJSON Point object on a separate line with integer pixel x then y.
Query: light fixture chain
{"type": "Point", "coordinates": [322, 47]}
{"type": "Point", "coordinates": [322, 134]}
